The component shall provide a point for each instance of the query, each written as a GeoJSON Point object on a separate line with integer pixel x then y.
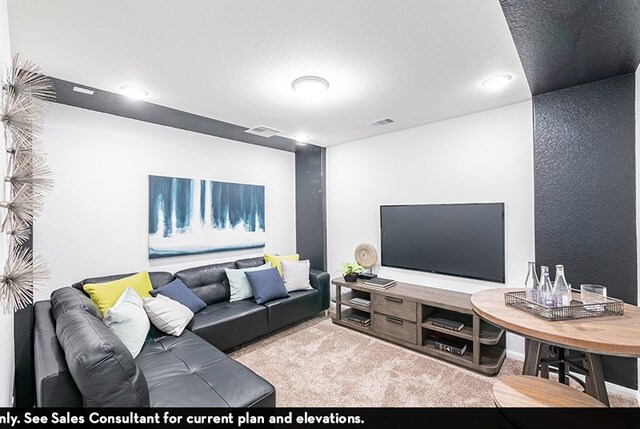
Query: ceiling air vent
{"type": "Point", "coordinates": [82, 90]}
{"type": "Point", "coordinates": [262, 131]}
{"type": "Point", "coordinates": [384, 121]}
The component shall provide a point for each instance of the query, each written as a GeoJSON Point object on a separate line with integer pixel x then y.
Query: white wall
{"type": "Point", "coordinates": [6, 320]}
{"type": "Point", "coordinates": [484, 157]}
{"type": "Point", "coordinates": [95, 220]}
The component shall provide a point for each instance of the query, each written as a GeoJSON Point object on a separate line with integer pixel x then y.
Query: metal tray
{"type": "Point", "coordinates": [577, 310]}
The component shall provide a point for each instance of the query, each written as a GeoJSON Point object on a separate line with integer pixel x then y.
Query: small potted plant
{"type": "Point", "coordinates": [350, 271]}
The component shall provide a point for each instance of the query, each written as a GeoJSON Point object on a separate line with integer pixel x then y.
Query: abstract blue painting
{"type": "Point", "coordinates": [190, 216]}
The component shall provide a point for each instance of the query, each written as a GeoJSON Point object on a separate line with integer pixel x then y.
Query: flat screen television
{"type": "Point", "coordinates": [465, 240]}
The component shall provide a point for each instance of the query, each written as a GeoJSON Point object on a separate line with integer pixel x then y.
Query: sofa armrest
{"type": "Point", "coordinates": [321, 281]}
{"type": "Point", "coordinates": [54, 385]}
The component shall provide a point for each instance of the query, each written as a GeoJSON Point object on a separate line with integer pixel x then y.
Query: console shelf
{"type": "Point", "coordinates": [404, 313]}
{"type": "Point", "coordinates": [346, 296]}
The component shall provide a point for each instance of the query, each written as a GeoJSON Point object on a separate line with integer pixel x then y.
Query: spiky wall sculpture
{"type": "Point", "coordinates": [25, 93]}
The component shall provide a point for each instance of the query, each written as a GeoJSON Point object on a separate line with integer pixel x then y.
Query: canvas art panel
{"type": "Point", "coordinates": [192, 216]}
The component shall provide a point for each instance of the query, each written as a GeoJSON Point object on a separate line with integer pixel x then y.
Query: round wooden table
{"type": "Point", "coordinates": [607, 335]}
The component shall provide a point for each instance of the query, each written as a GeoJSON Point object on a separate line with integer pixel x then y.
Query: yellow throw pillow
{"type": "Point", "coordinates": [276, 260]}
{"type": "Point", "coordinates": [106, 294]}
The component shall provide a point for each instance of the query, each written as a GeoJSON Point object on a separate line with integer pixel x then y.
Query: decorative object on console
{"type": "Point", "coordinates": [129, 321]}
{"type": "Point", "coordinates": [177, 291]}
{"type": "Point", "coordinates": [366, 256]}
{"type": "Point", "coordinates": [350, 271]}
{"type": "Point", "coordinates": [276, 260]}
{"type": "Point", "coordinates": [239, 286]}
{"type": "Point", "coordinates": [295, 275]}
{"type": "Point", "coordinates": [167, 315]}
{"type": "Point", "coordinates": [25, 93]}
{"type": "Point", "coordinates": [106, 294]}
{"type": "Point", "coordinates": [189, 216]}
{"type": "Point", "coordinates": [266, 285]}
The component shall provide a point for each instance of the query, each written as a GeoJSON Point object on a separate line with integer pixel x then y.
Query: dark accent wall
{"type": "Point", "coordinates": [563, 43]}
{"type": "Point", "coordinates": [311, 217]}
{"type": "Point", "coordinates": [119, 105]}
{"type": "Point", "coordinates": [24, 378]}
{"type": "Point", "coordinates": [585, 192]}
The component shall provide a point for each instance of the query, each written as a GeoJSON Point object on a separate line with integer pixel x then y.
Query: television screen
{"type": "Point", "coordinates": [465, 240]}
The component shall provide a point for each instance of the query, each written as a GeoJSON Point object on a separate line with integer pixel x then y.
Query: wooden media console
{"type": "Point", "coordinates": [404, 314]}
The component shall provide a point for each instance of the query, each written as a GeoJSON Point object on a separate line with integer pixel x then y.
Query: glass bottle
{"type": "Point", "coordinates": [545, 290]}
{"type": "Point", "coordinates": [531, 283]}
{"type": "Point", "coordinates": [561, 290]}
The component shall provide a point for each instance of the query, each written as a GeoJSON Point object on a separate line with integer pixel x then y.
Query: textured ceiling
{"type": "Point", "coordinates": [571, 42]}
{"type": "Point", "coordinates": [415, 61]}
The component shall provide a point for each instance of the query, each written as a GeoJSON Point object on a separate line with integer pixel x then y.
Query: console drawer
{"type": "Point", "coordinates": [394, 327]}
{"type": "Point", "coordinates": [393, 306]}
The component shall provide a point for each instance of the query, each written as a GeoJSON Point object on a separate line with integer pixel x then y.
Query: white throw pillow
{"type": "Point", "coordinates": [128, 320]}
{"type": "Point", "coordinates": [239, 283]}
{"type": "Point", "coordinates": [295, 275]}
{"type": "Point", "coordinates": [168, 315]}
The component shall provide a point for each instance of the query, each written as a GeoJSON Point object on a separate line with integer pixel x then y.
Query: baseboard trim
{"type": "Point", "coordinates": [611, 387]}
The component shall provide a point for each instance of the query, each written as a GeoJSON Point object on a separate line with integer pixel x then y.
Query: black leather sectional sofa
{"type": "Point", "coordinates": [79, 362]}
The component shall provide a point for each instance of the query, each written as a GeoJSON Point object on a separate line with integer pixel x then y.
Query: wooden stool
{"type": "Point", "coordinates": [529, 391]}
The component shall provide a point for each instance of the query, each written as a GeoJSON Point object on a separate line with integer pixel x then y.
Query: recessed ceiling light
{"type": "Point", "coordinates": [310, 87]}
{"type": "Point", "coordinates": [133, 92]}
{"type": "Point", "coordinates": [302, 138]}
{"type": "Point", "coordinates": [495, 83]}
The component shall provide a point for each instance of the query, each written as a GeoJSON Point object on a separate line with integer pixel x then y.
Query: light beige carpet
{"type": "Point", "coordinates": [320, 364]}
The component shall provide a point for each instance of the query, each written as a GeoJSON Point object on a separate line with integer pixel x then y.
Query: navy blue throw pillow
{"type": "Point", "coordinates": [178, 291]}
{"type": "Point", "coordinates": [266, 285]}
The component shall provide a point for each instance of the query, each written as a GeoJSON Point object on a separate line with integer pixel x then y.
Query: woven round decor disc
{"type": "Point", "coordinates": [366, 255]}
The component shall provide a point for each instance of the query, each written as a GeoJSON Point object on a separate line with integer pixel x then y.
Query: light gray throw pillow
{"type": "Point", "coordinates": [295, 275]}
{"type": "Point", "coordinates": [239, 283]}
{"type": "Point", "coordinates": [168, 315]}
{"type": "Point", "coordinates": [128, 320]}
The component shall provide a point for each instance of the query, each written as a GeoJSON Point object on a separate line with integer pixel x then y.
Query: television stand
{"type": "Point", "coordinates": [404, 314]}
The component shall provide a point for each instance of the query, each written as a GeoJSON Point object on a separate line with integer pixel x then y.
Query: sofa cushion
{"type": "Point", "coordinates": [128, 320]}
{"type": "Point", "coordinates": [186, 371]}
{"type": "Point", "coordinates": [229, 324]}
{"type": "Point", "coordinates": [158, 278]}
{"type": "Point", "coordinates": [177, 291]}
{"type": "Point", "coordinates": [54, 385]}
{"type": "Point", "coordinates": [67, 298]}
{"type": "Point", "coordinates": [100, 364]}
{"type": "Point", "coordinates": [106, 294]}
{"type": "Point", "coordinates": [250, 262]}
{"type": "Point", "coordinates": [266, 285]}
{"type": "Point", "coordinates": [208, 282]}
{"type": "Point", "coordinates": [299, 306]}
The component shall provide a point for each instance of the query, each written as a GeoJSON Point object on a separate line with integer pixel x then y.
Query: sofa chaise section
{"type": "Point", "coordinates": [174, 371]}
{"type": "Point", "coordinates": [186, 371]}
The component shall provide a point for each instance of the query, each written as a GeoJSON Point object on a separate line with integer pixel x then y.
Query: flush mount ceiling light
{"type": "Point", "coordinates": [310, 87]}
{"type": "Point", "coordinates": [302, 139]}
{"type": "Point", "coordinates": [133, 92]}
{"type": "Point", "coordinates": [496, 83]}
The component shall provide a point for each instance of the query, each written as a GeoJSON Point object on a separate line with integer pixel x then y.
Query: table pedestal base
{"type": "Point", "coordinates": [539, 356]}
